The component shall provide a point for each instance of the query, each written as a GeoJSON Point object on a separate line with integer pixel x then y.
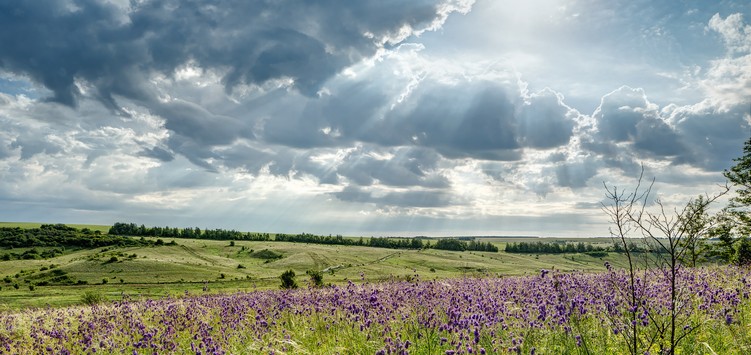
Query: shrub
{"type": "Point", "coordinates": [104, 281]}
{"type": "Point", "coordinates": [316, 277]}
{"type": "Point", "coordinates": [288, 280]}
{"type": "Point", "coordinates": [743, 252]}
{"type": "Point", "coordinates": [91, 298]}
{"type": "Point", "coordinates": [266, 254]}
{"type": "Point", "coordinates": [597, 254]}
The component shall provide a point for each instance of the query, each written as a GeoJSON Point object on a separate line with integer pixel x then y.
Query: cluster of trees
{"type": "Point", "coordinates": [316, 239]}
{"type": "Point", "coordinates": [132, 229]}
{"type": "Point", "coordinates": [553, 248]}
{"type": "Point", "coordinates": [60, 235]}
{"type": "Point", "coordinates": [459, 244]}
{"type": "Point", "coordinates": [397, 243]}
{"type": "Point", "coordinates": [32, 254]}
{"type": "Point", "coordinates": [462, 245]}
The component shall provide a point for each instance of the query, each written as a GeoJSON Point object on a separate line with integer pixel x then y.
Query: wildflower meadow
{"type": "Point", "coordinates": [550, 313]}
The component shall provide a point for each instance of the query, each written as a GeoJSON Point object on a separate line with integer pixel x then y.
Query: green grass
{"type": "Point", "coordinates": [159, 271]}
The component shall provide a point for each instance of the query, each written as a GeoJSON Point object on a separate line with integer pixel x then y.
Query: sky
{"type": "Point", "coordinates": [424, 117]}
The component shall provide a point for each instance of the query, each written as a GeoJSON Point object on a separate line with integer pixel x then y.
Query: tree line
{"type": "Point", "coordinates": [62, 236]}
{"type": "Point", "coordinates": [553, 248]}
{"type": "Point", "coordinates": [456, 244]}
{"type": "Point", "coordinates": [132, 229]}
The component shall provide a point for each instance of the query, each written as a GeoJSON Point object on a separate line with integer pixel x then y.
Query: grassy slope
{"type": "Point", "coordinates": [158, 271]}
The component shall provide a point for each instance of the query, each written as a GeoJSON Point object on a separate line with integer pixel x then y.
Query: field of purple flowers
{"type": "Point", "coordinates": [551, 313]}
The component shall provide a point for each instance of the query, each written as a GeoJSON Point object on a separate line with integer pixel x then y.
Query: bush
{"type": "Point", "coordinates": [288, 280]}
{"type": "Point", "coordinates": [266, 254]}
{"type": "Point", "coordinates": [91, 298]}
{"type": "Point", "coordinates": [316, 278]}
{"type": "Point", "coordinates": [597, 254]}
{"type": "Point", "coordinates": [743, 252]}
{"type": "Point", "coordinates": [104, 281]}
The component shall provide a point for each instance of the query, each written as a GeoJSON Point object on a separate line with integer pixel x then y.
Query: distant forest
{"type": "Point", "coordinates": [553, 248]}
{"type": "Point", "coordinates": [58, 237]}
{"type": "Point", "coordinates": [132, 229]}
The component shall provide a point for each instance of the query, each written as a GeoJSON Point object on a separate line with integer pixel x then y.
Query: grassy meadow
{"type": "Point", "coordinates": [193, 264]}
{"type": "Point", "coordinates": [223, 297]}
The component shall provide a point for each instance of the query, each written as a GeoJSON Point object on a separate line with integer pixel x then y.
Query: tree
{"type": "Point", "coordinates": [697, 226]}
{"type": "Point", "coordinates": [668, 233]}
{"type": "Point", "coordinates": [740, 175]}
{"type": "Point", "coordinates": [737, 226]}
{"type": "Point", "coordinates": [288, 280]}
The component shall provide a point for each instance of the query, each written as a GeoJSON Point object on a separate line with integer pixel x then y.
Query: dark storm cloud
{"type": "Point", "coordinates": [32, 145]}
{"type": "Point", "coordinates": [625, 115]}
{"type": "Point", "coordinates": [246, 157]}
{"type": "Point", "coordinates": [198, 124]}
{"type": "Point", "coordinates": [5, 150]}
{"type": "Point", "coordinates": [575, 175]}
{"type": "Point", "coordinates": [197, 154]}
{"type": "Point", "coordinates": [158, 153]}
{"type": "Point", "coordinates": [472, 118]}
{"type": "Point", "coordinates": [701, 135]}
{"type": "Point", "coordinates": [619, 113]}
{"type": "Point", "coordinates": [408, 167]}
{"type": "Point", "coordinates": [114, 49]}
{"type": "Point", "coordinates": [545, 121]}
{"type": "Point", "coordinates": [414, 198]}
{"type": "Point", "coordinates": [479, 119]}
{"type": "Point", "coordinates": [713, 138]}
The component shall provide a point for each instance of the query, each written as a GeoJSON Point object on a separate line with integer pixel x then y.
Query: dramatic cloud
{"type": "Point", "coordinates": [431, 116]}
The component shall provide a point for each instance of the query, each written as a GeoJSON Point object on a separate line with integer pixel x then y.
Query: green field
{"type": "Point", "coordinates": [195, 264]}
